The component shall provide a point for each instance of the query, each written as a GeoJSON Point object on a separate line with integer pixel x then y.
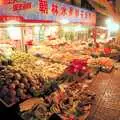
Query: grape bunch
{"type": "Point", "coordinates": [16, 86]}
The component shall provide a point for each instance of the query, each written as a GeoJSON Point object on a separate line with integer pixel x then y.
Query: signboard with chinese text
{"type": "Point", "coordinates": [41, 10]}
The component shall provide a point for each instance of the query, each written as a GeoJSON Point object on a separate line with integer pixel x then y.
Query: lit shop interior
{"type": "Point", "coordinates": [18, 34]}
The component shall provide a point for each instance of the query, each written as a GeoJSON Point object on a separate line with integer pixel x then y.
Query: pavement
{"type": "Point", "coordinates": [107, 103]}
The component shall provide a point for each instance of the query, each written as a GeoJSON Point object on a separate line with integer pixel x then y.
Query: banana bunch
{"type": "Point", "coordinates": [25, 62]}
{"type": "Point", "coordinates": [55, 108]}
{"type": "Point", "coordinates": [28, 64]}
{"type": "Point", "coordinates": [1, 58]}
{"type": "Point", "coordinates": [66, 103]}
{"type": "Point", "coordinates": [21, 57]}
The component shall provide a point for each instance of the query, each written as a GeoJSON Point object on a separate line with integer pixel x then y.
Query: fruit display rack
{"type": "Point", "coordinates": [43, 87]}
{"type": "Point", "coordinates": [70, 100]}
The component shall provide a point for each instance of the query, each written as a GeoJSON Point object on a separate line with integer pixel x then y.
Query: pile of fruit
{"type": "Point", "coordinates": [32, 65]}
{"type": "Point", "coordinates": [104, 63]}
{"type": "Point", "coordinates": [24, 62]}
{"type": "Point", "coordinates": [64, 102]}
{"type": "Point", "coordinates": [1, 57]}
{"type": "Point", "coordinates": [16, 86]}
{"type": "Point", "coordinates": [52, 70]}
{"type": "Point", "coordinates": [27, 76]}
{"type": "Point", "coordinates": [43, 50]}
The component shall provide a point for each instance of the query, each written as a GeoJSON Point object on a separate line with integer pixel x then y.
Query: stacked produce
{"type": "Point", "coordinates": [24, 62]}
{"type": "Point", "coordinates": [16, 85]}
{"type": "Point", "coordinates": [69, 101]}
{"type": "Point", "coordinates": [52, 70]}
{"type": "Point", "coordinates": [1, 57]}
{"type": "Point", "coordinates": [61, 52]}
{"type": "Point", "coordinates": [41, 77]}
{"type": "Point", "coordinates": [64, 58]}
{"type": "Point", "coordinates": [104, 63]}
{"type": "Point", "coordinates": [55, 42]}
{"type": "Point", "coordinates": [5, 60]}
{"type": "Point", "coordinates": [6, 50]}
{"type": "Point", "coordinates": [29, 71]}
{"type": "Point", "coordinates": [34, 77]}
{"type": "Point", "coordinates": [34, 66]}
{"type": "Point", "coordinates": [43, 50]}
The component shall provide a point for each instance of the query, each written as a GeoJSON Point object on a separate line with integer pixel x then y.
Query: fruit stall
{"type": "Point", "coordinates": [43, 86]}
{"type": "Point", "coordinates": [52, 78]}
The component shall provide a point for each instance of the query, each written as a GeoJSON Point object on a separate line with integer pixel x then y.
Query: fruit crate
{"type": "Point", "coordinates": [3, 103]}
{"type": "Point", "coordinates": [9, 105]}
{"type": "Point", "coordinates": [9, 111]}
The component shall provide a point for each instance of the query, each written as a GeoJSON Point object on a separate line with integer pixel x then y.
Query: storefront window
{"type": "Point", "coordinates": [10, 35]}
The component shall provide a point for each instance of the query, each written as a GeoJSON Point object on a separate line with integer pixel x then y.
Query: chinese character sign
{"type": "Point", "coordinates": [76, 12]}
{"type": "Point", "coordinates": [7, 1]}
{"type": "Point", "coordinates": [63, 11]}
{"type": "Point", "coordinates": [43, 6]}
{"type": "Point", "coordinates": [41, 10]}
{"type": "Point", "coordinates": [21, 6]}
{"type": "Point", "coordinates": [54, 9]}
{"type": "Point", "coordinates": [70, 11]}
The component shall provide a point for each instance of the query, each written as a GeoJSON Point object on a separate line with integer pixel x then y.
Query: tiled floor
{"type": "Point", "coordinates": [107, 103]}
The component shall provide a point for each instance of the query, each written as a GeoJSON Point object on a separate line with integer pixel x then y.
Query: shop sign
{"type": "Point", "coordinates": [22, 6]}
{"type": "Point", "coordinates": [8, 18]}
{"type": "Point", "coordinates": [3, 2]}
{"type": "Point", "coordinates": [43, 6]}
{"type": "Point", "coordinates": [46, 10]}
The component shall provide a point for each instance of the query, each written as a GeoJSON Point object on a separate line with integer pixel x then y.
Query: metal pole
{"type": "Point", "coordinates": [22, 39]}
